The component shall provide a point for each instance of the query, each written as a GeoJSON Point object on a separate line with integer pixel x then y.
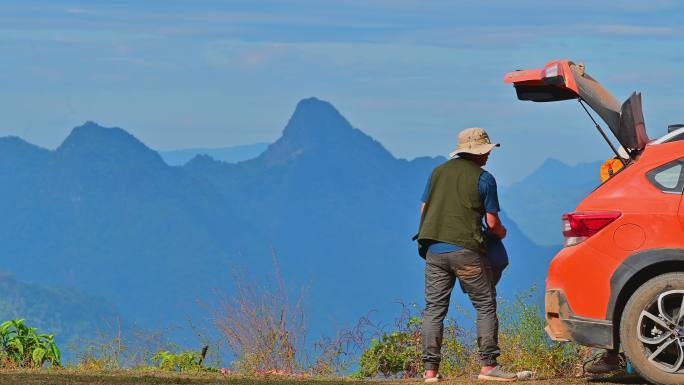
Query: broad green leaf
{"type": "Point", "coordinates": [17, 345]}
{"type": "Point", "coordinates": [4, 327]}
{"type": "Point", "coordinates": [57, 355]}
{"type": "Point", "coordinates": [38, 355]}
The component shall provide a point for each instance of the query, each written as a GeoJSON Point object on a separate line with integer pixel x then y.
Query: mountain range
{"type": "Point", "coordinates": [231, 154]}
{"type": "Point", "coordinates": [105, 214]}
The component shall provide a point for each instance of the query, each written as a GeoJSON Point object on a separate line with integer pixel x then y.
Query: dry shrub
{"type": "Point", "coordinates": [266, 330]}
{"type": "Point", "coordinates": [335, 356]}
{"type": "Point", "coordinates": [263, 327]}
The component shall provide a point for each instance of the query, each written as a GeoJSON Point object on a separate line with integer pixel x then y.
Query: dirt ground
{"type": "Point", "coordinates": [124, 378]}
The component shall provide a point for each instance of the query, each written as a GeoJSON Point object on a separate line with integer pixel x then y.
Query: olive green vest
{"type": "Point", "coordinates": [454, 210]}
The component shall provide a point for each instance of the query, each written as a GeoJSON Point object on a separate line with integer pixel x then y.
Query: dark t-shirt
{"type": "Point", "coordinates": [490, 200]}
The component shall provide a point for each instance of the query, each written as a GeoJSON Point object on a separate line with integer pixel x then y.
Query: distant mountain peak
{"type": "Point", "coordinates": [555, 171]}
{"type": "Point", "coordinates": [316, 119]}
{"type": "Point", "coordinates": [314, 102]}
{"type": "Point", "coordinates": [15, 141]}
{"type": "Point", "coordinates": [552, 162]}
{"type": "Point", "coordinates": [13, 149]}
{"type": "Point", "coordinates": [91, 124]}
{"type": "Point", "coordinates": [316, 126]}
{"type": "Point", "coordinates": [93, 131]}
{"type": "Point", "coordinates": [92, 140]}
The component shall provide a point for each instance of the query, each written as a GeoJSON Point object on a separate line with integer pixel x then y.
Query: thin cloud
{"type": "Point", "coordinates": [78, 11]}
{"type": "Point", "coordinates": [517, 35]}
{"type": "Point", "coordinates": [254, 55]}
{"type": "Point", "coordinates": [72, 35]}
{"type": "Point", "coordinates": [636, 30]}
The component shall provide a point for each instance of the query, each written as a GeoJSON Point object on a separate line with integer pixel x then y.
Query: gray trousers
{"type": "Point", "coordinates": [475, 276]}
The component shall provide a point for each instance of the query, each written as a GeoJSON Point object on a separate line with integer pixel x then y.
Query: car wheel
{"type": "Point", "coordinates": [652, 329]}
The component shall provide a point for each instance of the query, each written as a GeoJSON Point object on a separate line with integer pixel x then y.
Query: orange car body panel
{"type": "Point", "coordinates": [536, 76]}
{"type": "Point", "coordinates": [651, 219]}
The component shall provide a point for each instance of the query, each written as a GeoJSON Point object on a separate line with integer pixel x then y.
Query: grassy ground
{"type": "Point", "coordinates": [67, 377]}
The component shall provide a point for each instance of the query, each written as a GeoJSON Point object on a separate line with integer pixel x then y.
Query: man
{"type": "Point", "coordinates": [459, 196]}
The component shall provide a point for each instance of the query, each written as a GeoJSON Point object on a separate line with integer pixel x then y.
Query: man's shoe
{"type": "Point", "coordinates": [606, 364]}
{"type": "Point", "coordinates": [497, 374]}
{"type": "Point", "coordinates": [525, 375]}
{"type": "Point", "coordinates": [430, 380]}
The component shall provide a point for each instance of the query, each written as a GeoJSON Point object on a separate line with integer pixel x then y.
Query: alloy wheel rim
{"type": "Point", "coordinates": [661, 331]}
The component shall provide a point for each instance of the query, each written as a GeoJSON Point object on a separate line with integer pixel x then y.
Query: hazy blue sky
{"type": "Point", "coordinates": [200, 73]}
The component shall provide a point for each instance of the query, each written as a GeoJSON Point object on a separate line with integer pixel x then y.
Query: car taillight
{"type": "Point", "coordinates": [578, 227]}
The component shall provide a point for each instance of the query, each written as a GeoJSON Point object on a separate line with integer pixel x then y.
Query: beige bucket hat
{"type": "Point", "coordinates": [473, 140]}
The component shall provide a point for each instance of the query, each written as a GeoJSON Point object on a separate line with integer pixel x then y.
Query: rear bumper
{"type": "Point", "coordinates": [563, 325]}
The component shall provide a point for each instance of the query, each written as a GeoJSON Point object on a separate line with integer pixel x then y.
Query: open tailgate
{"type": "Point", "coordinates": [564, 80]}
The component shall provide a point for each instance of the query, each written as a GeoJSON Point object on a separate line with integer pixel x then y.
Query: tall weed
{"type": "Point", "coordinates": [266, 330]}
{"type": "Point", "coordinates": [263, 327]}
{"type": "Point", "coordinates": [336, 356]}
{"type": "Point", "coordinates": [118, 349]}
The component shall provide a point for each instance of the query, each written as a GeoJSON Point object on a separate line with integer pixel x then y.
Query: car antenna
{"type": "Point", "coordinates": [603, 133]}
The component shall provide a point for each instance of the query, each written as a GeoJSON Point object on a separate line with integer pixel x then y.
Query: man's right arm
{"type": "Point", "coordinates": [495, 226]}
{"type": "Point", "coordinates": [490, 200]}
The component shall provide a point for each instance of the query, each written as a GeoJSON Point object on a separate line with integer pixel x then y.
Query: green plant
{"type": "Point", "coordinates": [398, 353]}
{"type": "Point", "coordinates": [22, 346]}
{"type": "Point", "coordinates": [178, 362]}
{"type": "Point", "coordinates": [395, 353]}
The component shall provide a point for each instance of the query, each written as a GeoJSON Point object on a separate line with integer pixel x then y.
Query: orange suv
{"type": "Point", "coordinates": [619, 280]}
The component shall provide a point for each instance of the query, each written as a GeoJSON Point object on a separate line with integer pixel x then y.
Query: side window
{"type": "Point", "coordinates": [668, 177]}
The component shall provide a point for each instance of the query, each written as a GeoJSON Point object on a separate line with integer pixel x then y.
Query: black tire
{"type": "Point", "coordinates": [649, 336]}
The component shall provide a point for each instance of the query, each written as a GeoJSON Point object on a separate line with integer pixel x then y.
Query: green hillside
{"type": "Point", "coordinates": [68, 313]}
